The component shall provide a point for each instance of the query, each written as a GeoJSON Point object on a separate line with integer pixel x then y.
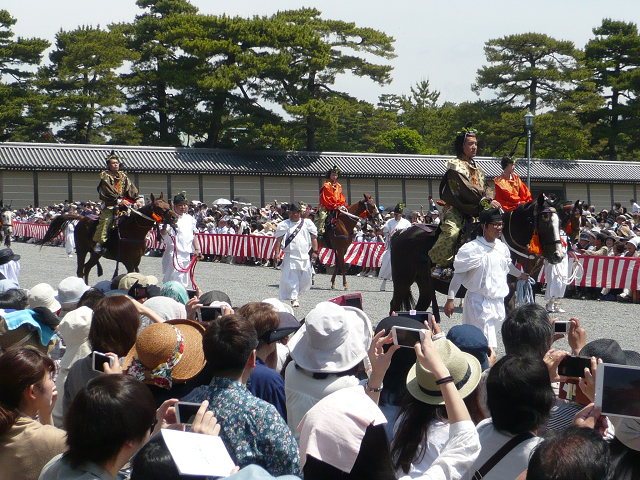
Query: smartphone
{"type": "Point", "coordinates": [421, 316]}
{"type": "Point", "coordinates": [192, 293]}
{"type": "Point", "coordinates": [573, 366]}
{"type": "Point", "coordinates": [99, 360]}
{"type": "Point", "coordinates": [406, 337]}
{"type": "Point", "coordinates": [618, 390]}
{"type": "Point", "coordinates": [561, 326]}
{"type": "Point", "coordinates": [353, 301]}
{"type": "Point", "coordinates": [186, 412]}
{"type": "Point", "coordinates": [140, 292]}
{"type": "Point", "coordinates": [208, 314]}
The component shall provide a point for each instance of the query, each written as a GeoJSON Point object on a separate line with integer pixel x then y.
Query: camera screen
{"type": "Point", "coordinates": [192, 293]}
{"type": "Point", "coordinates": [561, 327]}
{"type": "Point", "coordinates": [186, 412]}
{"type": "Point", "coordinates": [99, 360]}
{"type": "Point", "coordinates": [620, 390]}
{"type": "Point", "coordinates": [353, 302]}
{"type": "Point", "coordinates": [207, 314]}
{"type": "Point", "coordinates": [407, 338]}
{"type": "Point", "coordinates": [571, 366]}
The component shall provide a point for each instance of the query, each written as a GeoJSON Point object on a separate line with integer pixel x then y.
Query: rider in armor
{"type": "Point", "coordinates": [115, 189]}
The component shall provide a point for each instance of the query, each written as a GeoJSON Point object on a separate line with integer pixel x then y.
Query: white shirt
{"type": "Point", "coordinates": [482, 268]}
{"type": "Point", "coordinates": [635, 207]}
{"type": "Point", "coordinates": [186, 229]}
{"type": "Point", "coordinates": [432, 445]}
{"type": "Point", "coordinates": [299, 247]}
{"type": "Point", "coordinates": [392, 225]}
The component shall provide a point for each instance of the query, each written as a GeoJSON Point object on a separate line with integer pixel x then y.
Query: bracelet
{"type": "Point", "coordinates": [373, 390]}
{"type": "Point", "coordinates": [444, 380]}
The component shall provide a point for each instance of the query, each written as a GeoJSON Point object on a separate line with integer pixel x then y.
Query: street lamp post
{"type": "Point", "coordinates": [528, 126]}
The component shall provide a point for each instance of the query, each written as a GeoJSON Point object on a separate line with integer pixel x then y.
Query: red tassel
{"type": "Point", "coordinates": [534, 246]}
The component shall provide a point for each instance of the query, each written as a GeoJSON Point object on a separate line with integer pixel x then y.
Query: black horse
{"type": "Point", "coordinates": [410, 262]}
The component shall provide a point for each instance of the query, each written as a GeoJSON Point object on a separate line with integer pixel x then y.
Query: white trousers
{"type": "Point", "coordinates": [170, 273]}
{"type": "Point", "coordinates": [295, 279]}
{"type": "Point", "coordinates": [385, 268]}
{"type": "Point", "coordinates": [485, 313]}
{"type": "Point", "coordinates": [555, 276]}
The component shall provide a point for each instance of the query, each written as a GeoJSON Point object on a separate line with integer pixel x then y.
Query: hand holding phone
{"type": "Point", "coordinates": [573, 366]}
{"type": "Point", "coordinates": [99, 359]}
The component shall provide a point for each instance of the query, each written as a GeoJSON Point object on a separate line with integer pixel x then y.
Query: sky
{"type": "Point", "coordinates": [441, 41]}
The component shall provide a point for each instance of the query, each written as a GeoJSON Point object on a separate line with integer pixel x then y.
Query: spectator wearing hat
{"type": "Point", "coordinates": [9, 265]}
{"type": "Point", "coordinates": [27, 392]}
{"type": "Point", "coordinates": [168, 358]}
{"type": "Point", "coordinates": [295, 237]}
{"type": "Point", "coordinates": [70, 290]}
{"type": "Point", "coordinates": [327, 355]}
{"type": "Point", "coordinates": [253, 431]}
{"type": "Point", "coordinates": [181, 242]}
{"type": "Point", "coordinates": [482, 267]}
{"type": "Point", "coordinates": [397, 223]}
{"type": "Point", "coordinates": [43, 295]}
{"type": "Point", "coordinates": [629, 295]}
{"type": "Point", "coordinates": [422, 429]}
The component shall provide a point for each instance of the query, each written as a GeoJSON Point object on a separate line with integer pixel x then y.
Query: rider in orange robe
{"type": "Point", "coordinates": [331, 198]}
{"type": "Point", "coordinates": [510, 190]}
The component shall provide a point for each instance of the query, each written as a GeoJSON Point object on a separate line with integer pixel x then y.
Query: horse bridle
{"type": "Point", "coordinates": [546, 209]}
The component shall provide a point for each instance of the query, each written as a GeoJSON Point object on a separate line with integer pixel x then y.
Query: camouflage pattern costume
{"type": "Point", "coordinates": [112, 188]}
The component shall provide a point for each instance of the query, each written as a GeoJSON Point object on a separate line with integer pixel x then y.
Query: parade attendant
{"type": "Point", "coordinates": [392, 225]}
{"type": "Point", "coordinates": [114, 188]}
{"type": "Point", "coordinates": [465, 191]}
{"type": "Point", "coordinates": [556, 276]}
{"type": "Point", "coordinates": [296, 237]}
{"type": "Point", "coordinates": [331, 198]}
{"type": "Point", "coordinates": [181, 242]}
{"type": "Point", "coordinates": [510, 191]}
{"type": "Point", "coordinates": [482, 267]}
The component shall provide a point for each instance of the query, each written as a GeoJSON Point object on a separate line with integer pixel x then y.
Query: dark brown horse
{"type": "Point", "coordinates": [410, 262]}
{"type": "Point", "coordinates": [342, 235]}
{"type": "Point", "coordinates": [126, 241]}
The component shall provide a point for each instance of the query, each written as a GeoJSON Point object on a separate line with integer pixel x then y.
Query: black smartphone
{"type": "Point", "coordinates": [353, 301]}
{"type": "Point", "coordinates": [192, 293]}
{"type": "Point", "coordinates": [99, 360]}
{"type": "Point", "coordinates": [573, 366]}
{"type": "Point", "coordinates": [207, 314]}
{"type": "Point", "coordinates": [186, 412]}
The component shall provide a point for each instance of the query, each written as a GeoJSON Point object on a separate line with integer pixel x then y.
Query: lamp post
{"type": "Point", "coordinates": [528, 126]}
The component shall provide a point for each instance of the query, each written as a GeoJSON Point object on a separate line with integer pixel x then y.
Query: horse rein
{"type": "Point", "coordinates": [535, 227]}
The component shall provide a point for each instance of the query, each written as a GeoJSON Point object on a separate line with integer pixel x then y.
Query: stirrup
{"type": "Point", "coordinates": [97, 248]}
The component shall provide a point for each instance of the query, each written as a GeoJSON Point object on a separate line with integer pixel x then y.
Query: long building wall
{"type": "Point", "coordinates": [22, 188]}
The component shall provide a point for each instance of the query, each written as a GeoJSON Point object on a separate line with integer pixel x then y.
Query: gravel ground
{"type": "Point", "coordinates": [244, 284]}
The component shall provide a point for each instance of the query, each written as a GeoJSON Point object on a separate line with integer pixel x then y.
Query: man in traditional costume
{"type": "Point", "coordinates": [180, 243]}
{"type": "Point", "coordinates": [510, 190]}
{"type": "Point", "coordinates": [466, 193]}
{"type": "Point", "coordinates": [482, 267]}
{"type": "Point", "coordinates": [296, 236]}
{"type": "Point", "coordinates": [115, 189]}
{"type": "Point", "coordinates": [331, 199]}
{"type": "Point", "coordinates": [398, 222]}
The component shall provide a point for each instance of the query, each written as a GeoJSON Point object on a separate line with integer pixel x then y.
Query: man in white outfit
{"type": "Point", "coordinates": [482, 267]}
{"type": "Point", "coordinates": [180, 242]}
{"type": "Point", "coordinates": [398, 222]}
{"type": "Point", "coordinates": [296, 237]}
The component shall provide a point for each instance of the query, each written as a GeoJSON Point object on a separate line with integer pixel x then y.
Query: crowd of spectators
{"type": "Point", "coordinates": [328, 397]}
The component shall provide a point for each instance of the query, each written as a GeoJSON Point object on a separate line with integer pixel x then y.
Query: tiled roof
{"type": "Point", "coordinates": [64, 157]}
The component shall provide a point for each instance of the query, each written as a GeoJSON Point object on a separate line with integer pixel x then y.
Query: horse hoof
{"type": "Point", "coordinates": [333, 287]}
{"type": "Point", "coordinates": [346, 287]}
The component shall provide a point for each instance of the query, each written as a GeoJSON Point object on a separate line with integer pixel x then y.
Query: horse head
{"type": "Point", "coordinates": [369, 209]}
{"type": "Point", "coordinates": [547, 223]}
{"type": "Point", "coordinates": [162, 211]}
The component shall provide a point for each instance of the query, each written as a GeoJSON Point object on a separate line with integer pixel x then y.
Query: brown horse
{"type": "Point", "coordinates": [341, 236]}
{"type": "Point", "coordinates": [126, 241]}
{"type": "Point", "coordinates": [410, 262]}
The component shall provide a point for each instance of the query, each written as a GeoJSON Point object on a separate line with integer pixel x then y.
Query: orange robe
{"type": "Point", "coordinates": [511, 192]}
{"type": "Point", "coordinates": [331, 196]}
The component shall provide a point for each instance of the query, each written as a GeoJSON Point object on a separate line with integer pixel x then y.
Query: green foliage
{"type": "Point", "coordinates": [401, 140]}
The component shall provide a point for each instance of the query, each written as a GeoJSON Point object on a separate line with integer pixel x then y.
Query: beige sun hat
{"type": "Point", "coordinates": [43, 295]}
{"type": "Point", "coordinates": [167, 352]}
{"type": "Point", "coordinates": [333, 339]}
{"type": "Point", "coordinates": [463, 367]}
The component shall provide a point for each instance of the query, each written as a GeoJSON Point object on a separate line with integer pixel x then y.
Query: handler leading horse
{"type": "Point", "coordinates": [410, 262]}
{"type": "Point", "coordinates": [126, 241]}
{"type": "Point", "coordinates": [341, 236]}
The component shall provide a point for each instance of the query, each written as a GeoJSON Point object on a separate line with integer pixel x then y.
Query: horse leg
{"type": "Point", "coordinates": [343, 268]}
{"type": "Point", "coordinates": [335, 272]}
{"type": "Point", "coordinates": [81, 254]}
{"type": "Point", "coordinates": [93, 260]}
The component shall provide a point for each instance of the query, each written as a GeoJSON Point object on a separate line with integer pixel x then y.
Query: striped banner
{"type": "Point", "coordinates": [32, 230]}
{"type": "Point", "coordinates": [606, 272]}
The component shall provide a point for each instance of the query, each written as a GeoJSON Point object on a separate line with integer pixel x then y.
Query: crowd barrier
{"type": "Point", "coordinates": [604, 272]}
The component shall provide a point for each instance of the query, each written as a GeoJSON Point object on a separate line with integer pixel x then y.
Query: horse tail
{"type": "Point", "coordinates": [57, 226]}
{"type": "Point", "coordinates": [408, 302]}
{"type": "Point", "coordinates": [100, 271]}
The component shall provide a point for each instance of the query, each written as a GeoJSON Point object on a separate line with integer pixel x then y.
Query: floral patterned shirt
{"type": "Point", "coordinates": [252, 429]}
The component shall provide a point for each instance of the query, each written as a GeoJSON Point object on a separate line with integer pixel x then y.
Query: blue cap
{"type": "Point", "coordinates": [381, 208]}
{"type": "Point", "coordinates": [470, 339]}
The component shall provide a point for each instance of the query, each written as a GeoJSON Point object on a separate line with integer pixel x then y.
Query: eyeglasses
{"type": "Point", "coordinates": [497, 224]}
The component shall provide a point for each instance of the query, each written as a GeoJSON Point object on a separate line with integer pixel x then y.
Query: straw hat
{"type": "Point", "coordinates": [167, 352]}
{"type": "Point", "coordinates": [463, 367]}
{"type": "Point", "coordinates": [332, 340]}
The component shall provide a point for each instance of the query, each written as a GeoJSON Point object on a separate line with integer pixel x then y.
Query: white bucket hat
{"type": "Point", "coordinates": [333, 339]}
{"type": "Point", "coordinates": [74, 330]}
{"type": "Point", "coordinates": [278, 305]}
{"type": "Point", "coordinates": [70, 290]}
{"type": "Point", "coordinates": [43, 295]}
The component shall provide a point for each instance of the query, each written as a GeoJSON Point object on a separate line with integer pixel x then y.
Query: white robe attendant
{"type": "Point", "coordinates": [296, 264]}
{"type": "Point", "coordinates": [186, 226]}
{"type": "Point", "coordinates": [389, 228]}
{"type": "Point", "coordinates": [69, 238]}
{"type": "Point", "coordinates": [557, 274]}
{"type": "Point", "coordinates": [11, 271]}
{"type": "Point", "coordinates": [482, 268]}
